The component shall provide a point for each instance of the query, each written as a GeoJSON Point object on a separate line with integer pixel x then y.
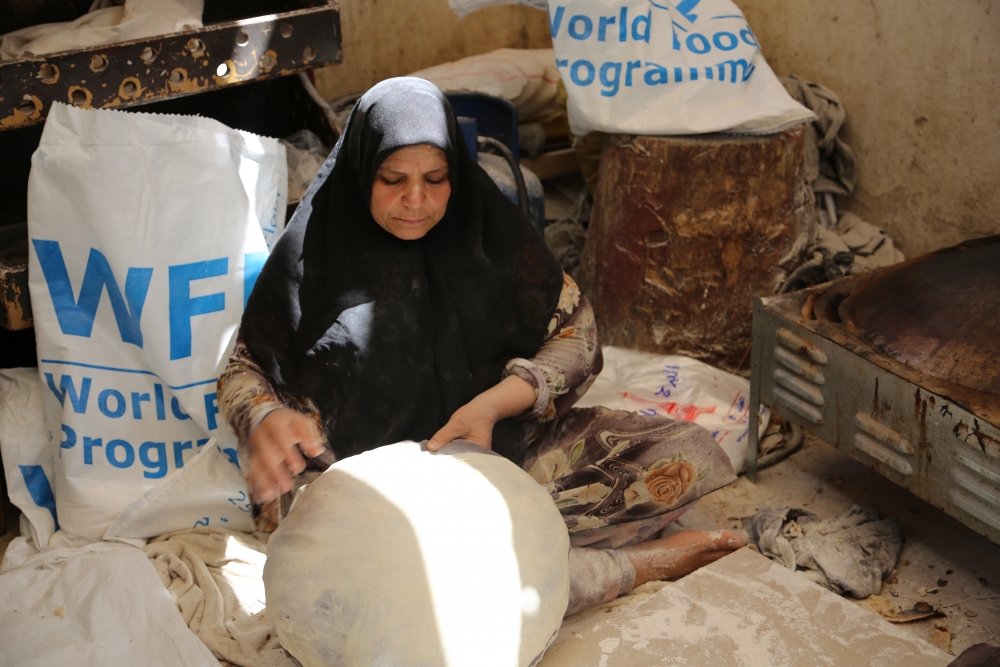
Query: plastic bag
{"type": "Point", "coordinates": [146, 235]}
{"type": "Point", "coordinates": [679, 388]}
{"type": "Point", "coordinates": [657, 67]}
{"type": "Point", "coordinates": [306, 154]}
{"type": "Point", "coordinates": [102, 606]}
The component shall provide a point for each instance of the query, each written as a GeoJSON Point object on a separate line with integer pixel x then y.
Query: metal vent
{"type": "Point", "coordinates": [798, 376]}
{"type": "Point", "coordinates": [976, 474]}
{"type": "Point", "coordinates": [882, 443]}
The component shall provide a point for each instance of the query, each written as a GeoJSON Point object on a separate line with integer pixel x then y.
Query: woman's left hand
{"type": "Point", "coordinates": [473, 422]}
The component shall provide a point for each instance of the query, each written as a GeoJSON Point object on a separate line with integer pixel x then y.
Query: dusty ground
{"type": "Point", "coordinates": [825, 481]}
{"type": "Point", "coordinates": [820, 478]}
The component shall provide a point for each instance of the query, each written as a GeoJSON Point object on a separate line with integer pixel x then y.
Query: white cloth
{"type": "Point", "coordinates": [872, 247]}
{"type": "Point", "coordinates": [215, 578]}
{"type": "Point", "coordinates": [92, 607]}
{"type": "Point", "coordinates": [104, 24]}
{"type": "Point", "coordinates": [205, 579]}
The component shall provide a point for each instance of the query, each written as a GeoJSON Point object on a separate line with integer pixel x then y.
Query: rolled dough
{"type": "Point", "coordinates": [402, 557]}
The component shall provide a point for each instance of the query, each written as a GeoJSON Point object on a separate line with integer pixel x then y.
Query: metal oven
{"type": "Point", "coordinates": [898, 368]}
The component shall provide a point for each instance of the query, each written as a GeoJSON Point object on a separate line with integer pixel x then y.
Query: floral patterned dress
{"type": "Point", "coordinates": [617, 477]}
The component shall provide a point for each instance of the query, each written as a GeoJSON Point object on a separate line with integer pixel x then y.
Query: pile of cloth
{"type": "Point", "coordinates": [833, 245]}
{"type": "Point", "coordinates": [850, 554]}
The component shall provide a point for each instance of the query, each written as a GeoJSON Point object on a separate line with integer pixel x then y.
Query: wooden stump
{"type": "Point", "coordinates": [685, 232]}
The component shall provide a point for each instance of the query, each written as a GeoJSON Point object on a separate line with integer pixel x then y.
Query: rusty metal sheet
{"type": "Point", "coordinates": [15, 304]}
{"type": "Point", "coordinates": [829, 311]}
{"type": "Point", "coordinates": [940, 315]}
{"type": "Point", "coordinates": [136, 72]}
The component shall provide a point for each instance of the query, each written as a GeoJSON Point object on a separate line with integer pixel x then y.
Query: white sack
{"type": "Point", "coordinates": [208, 490]}
{"type": "Point", "coordinates": [145, 243]}
{"type": "Point", "coordinates": [657, 67]}
{"type": "Point", "coordinates": [680, 388]}
{"type": "Point", "coordinates": [104, 24]}
{"type": "Point", "coordinates": [527, 78]}
{"type": "Point", "coordinates": [26, 451]}
{"type": "Point", "coordinates": [94, 610]}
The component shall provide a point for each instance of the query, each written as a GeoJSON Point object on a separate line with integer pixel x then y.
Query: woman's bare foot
{"type": "Point", "coordinates": [680, 554]}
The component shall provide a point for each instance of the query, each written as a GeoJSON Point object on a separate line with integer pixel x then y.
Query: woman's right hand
{"type": "Point", "coordinates": [275, 452]}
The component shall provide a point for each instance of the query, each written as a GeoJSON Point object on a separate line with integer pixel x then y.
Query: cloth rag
{"type": "Point", "coordinates": [851, 553]}
{"type": "Point", "coordinates": [830, 163]}
{"type": "Point", "coordinates": [870, 246]}
{"type": "Point", "coordinates": [215, 576]}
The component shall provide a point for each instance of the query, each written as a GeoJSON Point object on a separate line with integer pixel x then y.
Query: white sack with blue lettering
{"type": "Point", "coordinates": [147, 233]}
{"type": "Point", "coordinates": [26, 452]}
{"type": "Point", "coordinates": [658, 67]}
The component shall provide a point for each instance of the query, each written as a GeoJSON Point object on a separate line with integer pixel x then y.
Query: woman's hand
{"type": "Point", "coordinates": [274, 452]}
{"type": "Point", "coordinates": [474, 421]}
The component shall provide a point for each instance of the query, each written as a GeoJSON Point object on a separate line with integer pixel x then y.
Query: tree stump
{"type": "Point", "coordinates": [685, 232]}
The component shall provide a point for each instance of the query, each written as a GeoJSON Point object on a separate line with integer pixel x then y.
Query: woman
{"type": "Point", "coordinates": [408, 299]}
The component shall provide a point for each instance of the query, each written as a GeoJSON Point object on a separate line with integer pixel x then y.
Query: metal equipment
{"type": "Point", "coordinates": [898, 368]}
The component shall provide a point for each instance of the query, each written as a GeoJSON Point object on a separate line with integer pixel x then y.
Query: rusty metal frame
{"type": "Point", "coordinates": [137, 72]}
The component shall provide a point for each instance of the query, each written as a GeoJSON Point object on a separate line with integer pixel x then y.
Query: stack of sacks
{"type": "Point", "coordinates": [147, 233]}
{"type": "Point", "coordinates": [105, 23]}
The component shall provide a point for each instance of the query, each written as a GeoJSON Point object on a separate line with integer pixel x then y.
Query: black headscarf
{"type": "Point", "coordinates": [390, 337]}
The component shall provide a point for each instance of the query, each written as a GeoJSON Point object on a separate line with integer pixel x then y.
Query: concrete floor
{"type": "Point", "coordinates": [936, 547]}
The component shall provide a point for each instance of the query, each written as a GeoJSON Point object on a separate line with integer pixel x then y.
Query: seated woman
{"type": "Point", "coordinates": [408, 299]}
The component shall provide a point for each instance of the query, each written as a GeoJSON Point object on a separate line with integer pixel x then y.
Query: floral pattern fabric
{"type": "Point", "coordinates": [608, 467]}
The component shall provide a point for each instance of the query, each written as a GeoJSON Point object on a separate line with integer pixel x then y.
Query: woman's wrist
{"type": "Point", "coordinates": [511, 397]}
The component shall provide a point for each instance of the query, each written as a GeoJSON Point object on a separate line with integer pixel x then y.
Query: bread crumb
{"type": "Point", "coordinates": [60, 612]}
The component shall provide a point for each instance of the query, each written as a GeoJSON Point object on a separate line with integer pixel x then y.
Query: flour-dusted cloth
{"type": "Point", "coordinates": [851, 553]}
{"type": "Point", "coordinates": [214, 576]}
{"type": "Point", "coordinates": [91, 606]}
{"type": "Point", "coordinates": [830, 163]}
{"type": "Point", "coordinates": [103, 24]}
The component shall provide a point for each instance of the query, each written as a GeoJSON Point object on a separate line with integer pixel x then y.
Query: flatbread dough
{"type": "Point", "coordinates": [403, 557]}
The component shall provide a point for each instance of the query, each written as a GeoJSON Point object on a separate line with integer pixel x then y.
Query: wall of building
{"type": "Point", "coordinates": [385, 38]}
{"type": "Point", "coordinates": [921, 83]}
{"type": "Point", "coordinates": [920, 80]}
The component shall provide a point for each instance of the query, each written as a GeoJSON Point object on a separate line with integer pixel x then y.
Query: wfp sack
{"type": "Point", "coordinates": [26, 452]}
{"type": "Point", "coordinates": [147, 233]}
{"type": "Point", "coordinates": [679, 388]}
{"type": "Point", "coordinates": [656, 67]}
